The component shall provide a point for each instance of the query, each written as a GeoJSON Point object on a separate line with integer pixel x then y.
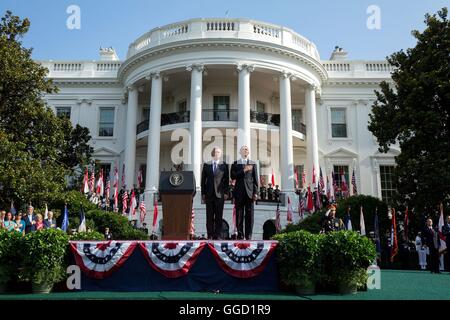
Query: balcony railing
{"type": "Point", "coordinates": [219, 115]}
{"type": "Point", "coordinates": [222, 115]}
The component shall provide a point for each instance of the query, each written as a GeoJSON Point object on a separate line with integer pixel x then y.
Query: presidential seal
{"type": "Point", "coordinates": [176, 179]}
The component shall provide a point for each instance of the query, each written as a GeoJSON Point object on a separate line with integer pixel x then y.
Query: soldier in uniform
{"type": "Point", "coordinates": [276, 193]}
{"type": "Point", "coordinates": [262, 192]}
{"type": "Point", "coordinates": [270, 192]}
{"type": "Point", "coordinates": [331, 222]}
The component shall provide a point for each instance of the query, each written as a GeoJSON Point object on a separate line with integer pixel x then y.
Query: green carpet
{"type": "Point", "coordinates": [395, 285]}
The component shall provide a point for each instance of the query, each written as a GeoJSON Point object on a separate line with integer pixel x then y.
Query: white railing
{"type": "Point", "coordinates": [220, 26]}
{"type": "Point", "coordinates": [174, 30]}
{"type": "Point", "coordinates": [223, 28]}
{"type": "Point", "coordinates": [378, 67]}
{"type": "Point", "coordinates": [66, 66]}
{"type": "Point", "coordinates": [266, 30]}
{"type": "Point", "coordinates": [108, 66]}
{"type": "Point", "coordinates": [337, 66]}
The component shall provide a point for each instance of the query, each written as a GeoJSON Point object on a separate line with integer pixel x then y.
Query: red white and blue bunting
{"type": "Point", "coordinates": [100, 259]}
{"type": "Point", "coordinates": [172, 259]}
{"type": "Point", "coordinates": [243, 259]}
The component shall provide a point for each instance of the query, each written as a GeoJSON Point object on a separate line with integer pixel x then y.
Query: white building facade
{"type": "Point", "coordinates": [187, 87]}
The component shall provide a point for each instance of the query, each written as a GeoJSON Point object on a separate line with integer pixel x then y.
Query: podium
{"type": "Point", "coordinates": [177, 189]}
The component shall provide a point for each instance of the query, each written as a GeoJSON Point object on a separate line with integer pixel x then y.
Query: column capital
{"type": "Point", "coordinates": [248, 67]}
{"type": "Point", "coordinates": [153, 75]}
{"type": "Point", "coordinates": [87, 101]}
{"type": "Point", "coordinates": [287, 75]}
{"type": "Point", "coordinates": [196, 66]}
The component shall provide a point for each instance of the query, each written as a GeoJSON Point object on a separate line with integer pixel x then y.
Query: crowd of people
{"type": "Point", "coordinates": [26, 223]}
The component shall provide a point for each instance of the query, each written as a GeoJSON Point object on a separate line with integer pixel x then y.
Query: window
{"type": "Point", "coordinates": [338, 181]}
{"type": "Point", "coordinates": [338, 123]}
{"type": "Point", "coordinates": [260, 106]}
{"type": "Point", "coordinates": [63, 112]}
{"type": "Point", "coordinates": [182, 106]}
{"type": "Point", "coordinates": [387, 183]}
{"type": "Point", "coordinates": [221, 108]}
{"type": "Point", "coordinates": [106, 123]}
{"type": "Point", "coordinates": [297, 119]}
{"type": "Point", "coordinates": [145, 114]}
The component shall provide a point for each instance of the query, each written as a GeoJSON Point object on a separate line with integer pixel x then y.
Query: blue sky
{"type": "Point", "coordinates": [117, 23]}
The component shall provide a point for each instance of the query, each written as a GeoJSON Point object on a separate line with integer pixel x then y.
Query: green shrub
{"type": "Point", "coordinates": [298, 257]}
{"type": "Point", "coordinates": [118, 224]}
{"type": "Point", "coordinates": [44, 261]}
{"type": "Point", "coordinates": [312, 223]}
{"type": "Point", "coordinates": [74, 200]}
{"type": "Point", "coordinates": [92, 235]}
{"type": "Point", "coordinates": [344, 258]}
{"type": "Point", "coordinates": [11, 254]}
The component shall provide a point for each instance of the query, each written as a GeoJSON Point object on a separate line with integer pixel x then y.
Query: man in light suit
{"type": "Point", "coordinates": [214, 188]}
{"type": "Point", "coordinates": [245, 192]}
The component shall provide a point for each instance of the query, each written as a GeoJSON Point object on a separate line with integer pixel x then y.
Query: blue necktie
{"type": "Point", "coordinates": [214, 168]}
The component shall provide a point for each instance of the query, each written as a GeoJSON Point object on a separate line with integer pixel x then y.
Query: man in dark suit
{"type": "Point", "coordinates": [430, 238]}
{"type": "Point", "coordinates": [446, 234]}
{"type": "Point", "coordinates": [214, 186]}
{"type": "Point", "coordinates": [30, 220]}
{"type": "Point", "coordinates": [245, 192]}
{"type": "Point", "coordinates": [50, 223]}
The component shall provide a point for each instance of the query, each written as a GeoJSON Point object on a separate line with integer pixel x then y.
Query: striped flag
{"type": "Point", "coordinates": [318, 203]}
{"type": "Point", "coordinates": [314, 176]}
{"type": "Point", "coordinates": [273, 178]}
{"type": "Point", "coordinates": [234, 219]}
{"type": "Point", "coordinates": [406, 223]}
{"type": "Point", "coordinates": [344, 186]}
{"type": "Point", "coordinates": [82, 226]}
{"type": "Point", "coordinates": [86, 181]}
{"type": "Point", "coordinates": [116, 189]}
{"type": "Point", "coordinates": [304, 178]}
{"type": "Point", "coordinates": [133, 205]}
{"type": "Point", "coordinates": [301, 207]}
{"type": "Point", "coordinates": [362, 225]}
{"type": "Point", "coordinates": [440, 225]}
{"type": "Point", "coordinates": [377, 234]}
{"type": "Point", "coordinates": [100, 185]}
{"type": "Point", "coordinates": [92, 181]}
{"type": "Point", "coordinates": [192, 222]}
{"type": "Point", "coordinates": [289, 211]}
{"type": "Point", "coordinates": [296, 178]}
{"type": "Point", "coordinates": [278, 219]}
{"type": "Point", "coordinates": [142, 209]}
{"type": "Point", "coordinates": [393, 244]}
{"type": "Point", "coordinates": [124, 202]}
{"type": "Point", "coordinates": [334, 184]}
{"type": "Point", "coordinates": [321, 182]}
{"type": "Point", "coordinates": [328, 189]}
{"type": "Point", "coordinates": [107, 190]}
{"type": "Point", "coordinates": [309, 201]}
{"type": "Point", "coordinates": [355, 190]}
{"type": "Point", "coordinates": [155, 212]}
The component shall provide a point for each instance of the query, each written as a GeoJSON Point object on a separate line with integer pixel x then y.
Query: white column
{"type": "Point", "coordinates": [244, 135]}
{"type": "Point", "coordinates": [154, 131]}
{"type": "Point", "coordinates": [311, 133]}
{"type": "Point", "coordinates": [286, 145]}
{"type": "Point", "coordinates": [130, 137]}
{"type": "Point", "coordinates": [196, 143]}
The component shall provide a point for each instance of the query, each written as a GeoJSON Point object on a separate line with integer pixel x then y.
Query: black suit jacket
{"type": "Point", "coordinates": [246, 182]}
{"type": "Point", "coordinates": [29, 227]}
{"type": "Point", "coordinates": [215, 184]}
{"type": "Point", "coordinates": [446, 233]}
{"type": "Point", "coordinates": [428, 238]}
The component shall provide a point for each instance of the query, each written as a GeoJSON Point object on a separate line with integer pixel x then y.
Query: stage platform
{"type": "Point", "coordinates": [196, 266]}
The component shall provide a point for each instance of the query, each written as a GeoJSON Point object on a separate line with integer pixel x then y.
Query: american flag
{"type": "Point", "coordinates": [116, 189]}
{"type": "Point", "coordinates": [289, 211]}
{"type": "Point", "coordinates": [328, 189]}
{"type": "Point", "coordinates": [133, 205]}
{"type": "Point", "coordinates": [92, 181]}
{"type": "Point", "coordinates": [100, 186]}
{"type": "Point", "coordinates": [277, 219]}
{"type": "Point", "coordinates": [321, 182]}
{"type": "Point", "coordinates": [335, 187]}
{"type": "Point", "coordinates": [314, 176]}
{"type": "Point", "coordinates": [393, 244]}
{"type": "Point", "coordinates": [296, 178]}
{"type": "Point", "coordinates": [192, 222]}
{"type": "Point", "coordinates": [309, 201]}
{"type": "Point", "coordinates": [355, 191]}
{"type": "Point", "coordinates": [304, 178]}
{"type": "Point", "coordinates": [124, 202]}
{"type": "Point", "coordinates": [107, 190]}
{"type": "Point", "coordinates": [155, 211]}
{"type": "Point", "coordinates": [443, 244]}
{"type": "Point", "coordinates": [273, 178]}
{"type": "Point", "coordinates": [301, 207]}
{"type": "Point", "coordinates": [142, 209]}
{"type": "Point", "coordinates": [318, 200]}
{"type": "Point", "coordinates": [234, 219]}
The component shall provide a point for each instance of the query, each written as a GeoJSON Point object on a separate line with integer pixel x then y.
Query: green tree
{"type": "Point", "coordinates": [37, 149]}
{"type": "Point", "coordinates": [415, 113]}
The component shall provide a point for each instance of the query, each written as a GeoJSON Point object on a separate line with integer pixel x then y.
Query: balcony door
{"type": "Point", "coordinates": [221, 108]}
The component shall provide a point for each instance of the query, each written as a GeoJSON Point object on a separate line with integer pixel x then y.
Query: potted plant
{"type": "Point", "coordinates": [297, 255]}
{"type": "Point", "coordinates": [344, 258]}
{"type": "Point", "coordinates": [44, 263]}
{"type": "Point", "coordinates": [10, 256]}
